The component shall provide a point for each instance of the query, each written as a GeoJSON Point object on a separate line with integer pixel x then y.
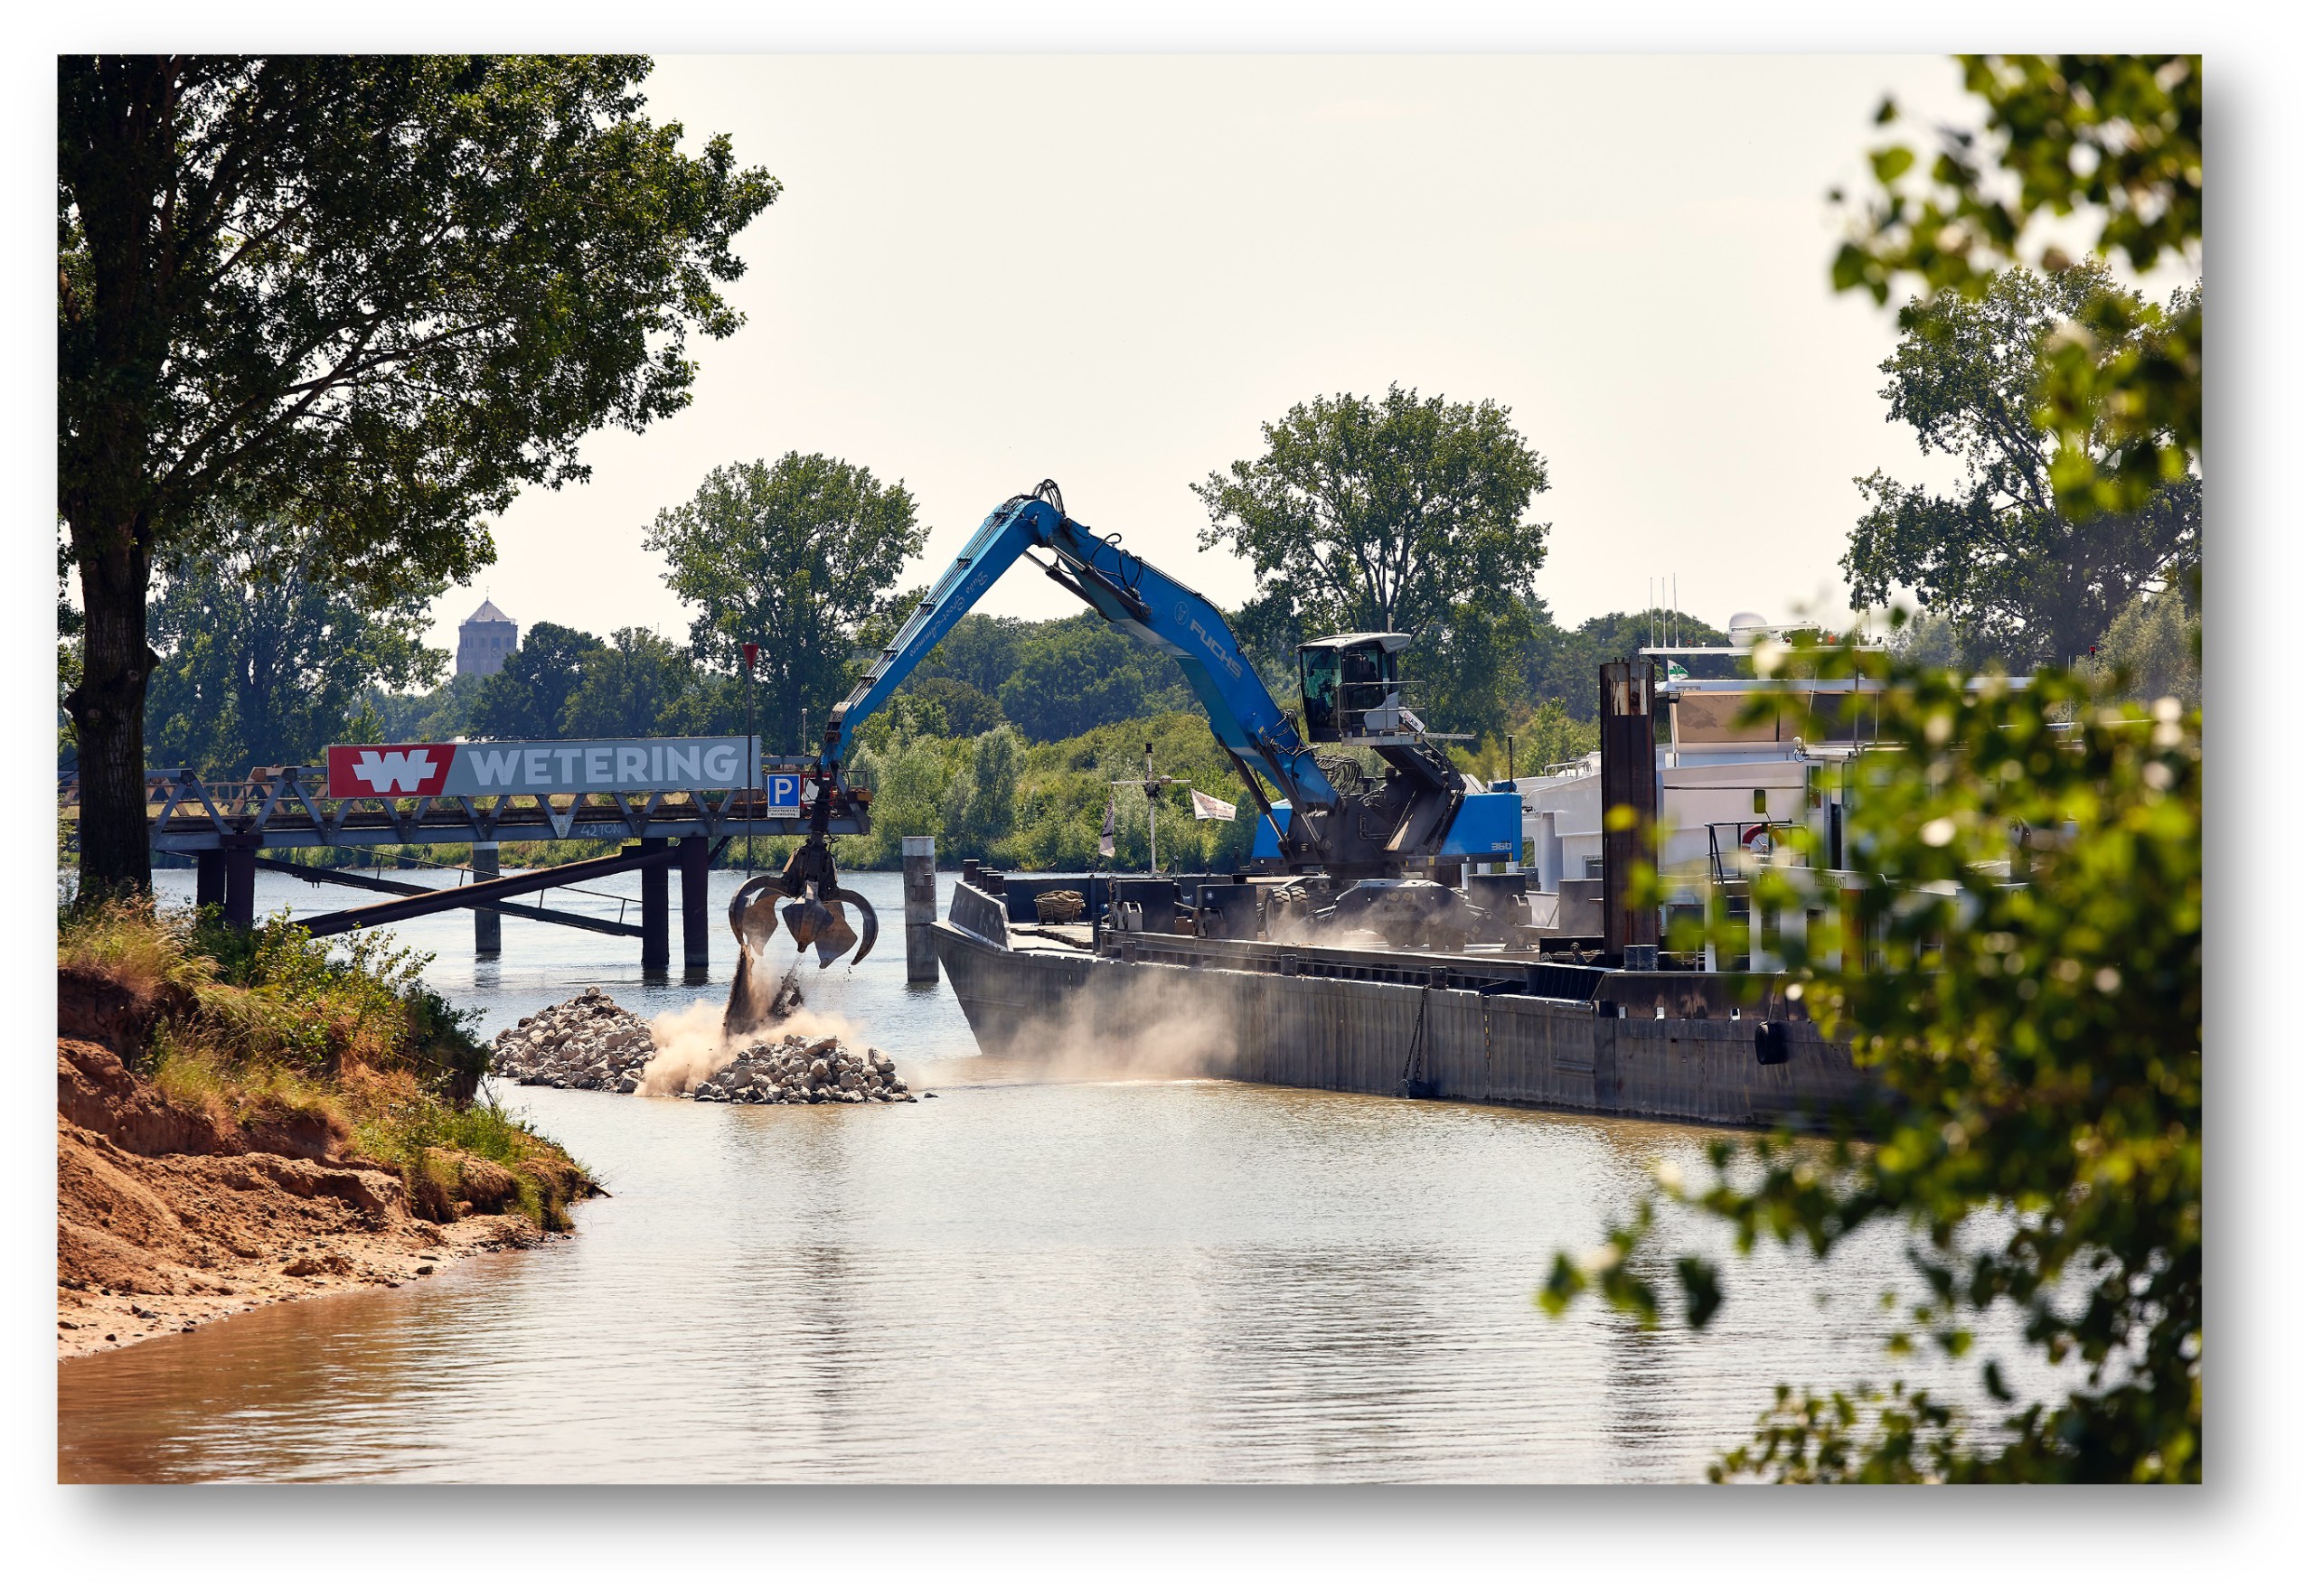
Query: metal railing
{"type": "Point", "coordinates": [292, 807]}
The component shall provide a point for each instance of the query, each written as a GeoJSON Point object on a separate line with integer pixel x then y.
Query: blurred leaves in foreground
{"type": "Point", "coordinates": [2016, 949]}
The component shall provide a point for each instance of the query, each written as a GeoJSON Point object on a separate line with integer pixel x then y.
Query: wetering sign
{"type": "Point", "coordinates": [476, 770]}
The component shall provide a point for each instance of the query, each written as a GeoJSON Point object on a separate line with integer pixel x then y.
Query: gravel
{"type": "Point", "coordinates": [590, 1044]}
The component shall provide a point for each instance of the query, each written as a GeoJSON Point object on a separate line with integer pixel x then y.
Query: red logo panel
{"type": "Point", "coordinates": [390, 770]}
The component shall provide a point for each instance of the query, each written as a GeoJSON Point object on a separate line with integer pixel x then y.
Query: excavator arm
{"type": "Point", "coordinates": [1354, 832]}
{"type": "Point", "coordinates": [1260, 737]}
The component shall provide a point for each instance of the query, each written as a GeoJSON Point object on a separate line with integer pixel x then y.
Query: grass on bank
{"type": "Point", "coordinates": [266, 1025]}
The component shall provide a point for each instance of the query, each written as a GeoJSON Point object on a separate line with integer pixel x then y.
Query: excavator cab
{"type": "Point", "coordinates": [1351, 690]}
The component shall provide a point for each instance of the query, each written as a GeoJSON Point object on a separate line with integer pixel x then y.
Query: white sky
{"type": "Point", "coordinates": [1110, 270]}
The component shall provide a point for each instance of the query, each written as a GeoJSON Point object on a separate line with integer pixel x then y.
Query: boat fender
{"type": "Point", "coordinates": [1771, 1043]}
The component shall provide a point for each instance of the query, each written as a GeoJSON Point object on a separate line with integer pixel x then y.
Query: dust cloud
{"type": "Point", "coordinates": [1156, 1030]}
{"type": "Point", "coordinates": [690, 1047]}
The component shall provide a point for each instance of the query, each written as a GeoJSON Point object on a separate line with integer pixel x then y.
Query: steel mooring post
{"type": "Point", "coordinates": [486, 922]}
{"type": "Point", "coordinates": [656, 857]}
{"type": "Point", "coordinates": [1626, 782]}
{"type": "Point", "coordinates": [921, 892]}
{"type": "Point", "coordinates": [239, 855]}
{"type": "Point", "coordinates": [691, 855]}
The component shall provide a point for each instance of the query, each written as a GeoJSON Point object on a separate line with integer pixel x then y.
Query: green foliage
{"type": "Point", "coordinates": [981, 651]}
{"type": "Point", "coordinates": [1546, 737]}
{"type": "Point", "coordinates": [1038, 806]}
{"type": "Point", "coordinates": [964, 708]}
{"type": "Point", "coordinates": [1074, 674]}
{"type": "Point", "coordinates": [2155, 646]}
{"type": "Point", "coordinates": [631, 689]}
{"type": "Point", "coordinates": [1066, 787]}
{"type": "Point", "coordinates": [530, 693]}
{"type": "Point", "coordinates": [798, 556]}
{"type": "Point", "coordinates": [2121, 386]}
{"type": "Point", "coordinates": [1406, 515]}
{"type": "Point", "coordinates": [2116, 133]}
{"type": "Point", "coordinates": [978, 809]}
{"type": "Point", "coordinates": [266, 1018]}
{"type": "Point", "coordinates": [1560, 665]}
{"type": "Point", "coordinates": [2018, 954]}
{"type": "Point", "coordinates": [2003, 557]}
{"type": "Point", "coordinates": [910, 774]}
{"type": "Point", "coordinates": [265, 654]}
{"type": "Point", "coordinates": [371, 295]}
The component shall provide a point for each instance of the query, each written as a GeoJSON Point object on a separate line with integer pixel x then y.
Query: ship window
{"type": "Point", "coordinates": [1320, 671]}
{"type": "Point", "coordinates": [1714, 717]}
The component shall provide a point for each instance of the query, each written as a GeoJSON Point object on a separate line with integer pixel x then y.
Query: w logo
{"type": "Point", "coordinates": [378, 772]}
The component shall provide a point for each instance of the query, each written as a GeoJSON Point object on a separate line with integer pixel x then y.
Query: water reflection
{"type": "Point", "coordinates": [1016, 1281]}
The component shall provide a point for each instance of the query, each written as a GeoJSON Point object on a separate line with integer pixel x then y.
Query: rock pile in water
{"type": "Point", "coordinates": [590, 1044]}
{"type": "Point", "coordinates": [804, 1069]}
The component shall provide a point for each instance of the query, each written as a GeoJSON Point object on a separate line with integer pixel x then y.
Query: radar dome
{"type": "Point", "coordinates": [1744, 628]}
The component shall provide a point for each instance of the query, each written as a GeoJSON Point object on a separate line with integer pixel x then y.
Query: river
{"type": "Point", "coordinates": [1024, 1277]}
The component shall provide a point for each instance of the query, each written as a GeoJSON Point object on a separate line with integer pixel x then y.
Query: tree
{"type": "Point", "coordinates": [265, 657]}
{"type": "Point", "coordinates": [799, 557]}
{"type": "Point", "coordinates": [2040, 1024]}
{"type": "Point", "coordinates": [1079, 672]}
{"type": "Point", "coordinates": [979, 807]}
{"type": "Point", "coordinates": [2157, 641]}
{"type": "Point", "coordinates": [369, 295]}
{"type": "Point", "coordinates": [968, 710]}
{"type": "Point", "coordinates": [980, 650]}
{"type": "Point", "coordinates": [630, 688]}
{"type": "Point", "coordinates": [1561, 664]}
{"type": "Point", "coordinates": [2021, 578]}
{"type": "Point", "coordinates": [530, 694]}
{"type": "Point", "coordinates": [2116, 134]}
{"type": "Point", "coordinates": [1383, 517]}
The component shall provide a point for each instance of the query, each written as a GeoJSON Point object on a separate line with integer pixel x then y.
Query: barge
{"type": "Point", "coordinates": [1472, 1026]}
{"type": "Point", "coordinates": [1574, 1009]}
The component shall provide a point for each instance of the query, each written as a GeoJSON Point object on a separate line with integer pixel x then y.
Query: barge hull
{"type": "Point", "coordinates": [1610, 1055]}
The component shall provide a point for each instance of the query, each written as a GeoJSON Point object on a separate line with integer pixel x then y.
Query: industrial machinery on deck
{"type": "Point", "coordinates": [1389, 847]}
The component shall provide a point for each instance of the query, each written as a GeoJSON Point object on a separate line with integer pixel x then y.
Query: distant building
{"type": "Point", "coordinates": [485, 640]}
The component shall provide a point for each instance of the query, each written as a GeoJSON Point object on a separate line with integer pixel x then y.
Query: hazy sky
{"type": "Point", "coordinates": [986, 270]}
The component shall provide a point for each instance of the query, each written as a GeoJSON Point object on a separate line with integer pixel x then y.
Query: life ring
{"type": "Point", "coordinates": [1759, 839]}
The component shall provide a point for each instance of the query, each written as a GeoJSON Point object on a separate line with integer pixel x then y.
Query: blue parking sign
{"type": "Point", "coordinates": [784, 794]}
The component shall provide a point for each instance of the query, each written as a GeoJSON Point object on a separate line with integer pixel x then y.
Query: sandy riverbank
{"type": "Point", "coordinates": [165, 1223]}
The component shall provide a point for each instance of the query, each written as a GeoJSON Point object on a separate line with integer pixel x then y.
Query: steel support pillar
{"type": "Point", "coordinates": [656, 857]}
{"type": "Point", "coordinates": [690, 855]}
{"type": "Point", "coordinates": [486, 921]}
{"type": "Point", "coordinates": [240, 870]}
{"type": "Point", "coordinates": [209, 877]}
{"type": "Point", "coordinates": [921, 893]}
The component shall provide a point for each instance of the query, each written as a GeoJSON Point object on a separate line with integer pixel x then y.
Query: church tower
{"type": "Point", "coordinates": [485, 641]}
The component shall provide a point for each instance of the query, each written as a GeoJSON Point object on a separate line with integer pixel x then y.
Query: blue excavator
{"type": "Point", "coordinates": [1348, 847]}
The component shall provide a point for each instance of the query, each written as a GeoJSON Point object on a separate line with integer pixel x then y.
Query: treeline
{"type": "Point", "coordinates": [262, 664]}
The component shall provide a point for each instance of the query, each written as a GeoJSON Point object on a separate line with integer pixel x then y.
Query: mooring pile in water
{"type": "Point", "coordinates": [588, 1044]}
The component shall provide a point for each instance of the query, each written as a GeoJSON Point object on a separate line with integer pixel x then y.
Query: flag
{"type": "Point", "coordinates": [1209, 808]}
{"type": "Point", "coordinates": [1109, 830]}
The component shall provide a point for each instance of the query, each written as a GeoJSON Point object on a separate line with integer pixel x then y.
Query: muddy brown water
{"type": "Point", "coordinates": [1028, 1277]}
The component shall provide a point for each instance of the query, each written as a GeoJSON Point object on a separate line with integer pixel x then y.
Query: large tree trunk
{"type": "Point", "coordinates": [108, 717]}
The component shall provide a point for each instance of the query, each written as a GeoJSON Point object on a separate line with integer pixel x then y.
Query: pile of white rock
{"type": "Point", "coordinates": [804, 1069]}
{"type": "Point", "coordinates": [588, 1044]}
